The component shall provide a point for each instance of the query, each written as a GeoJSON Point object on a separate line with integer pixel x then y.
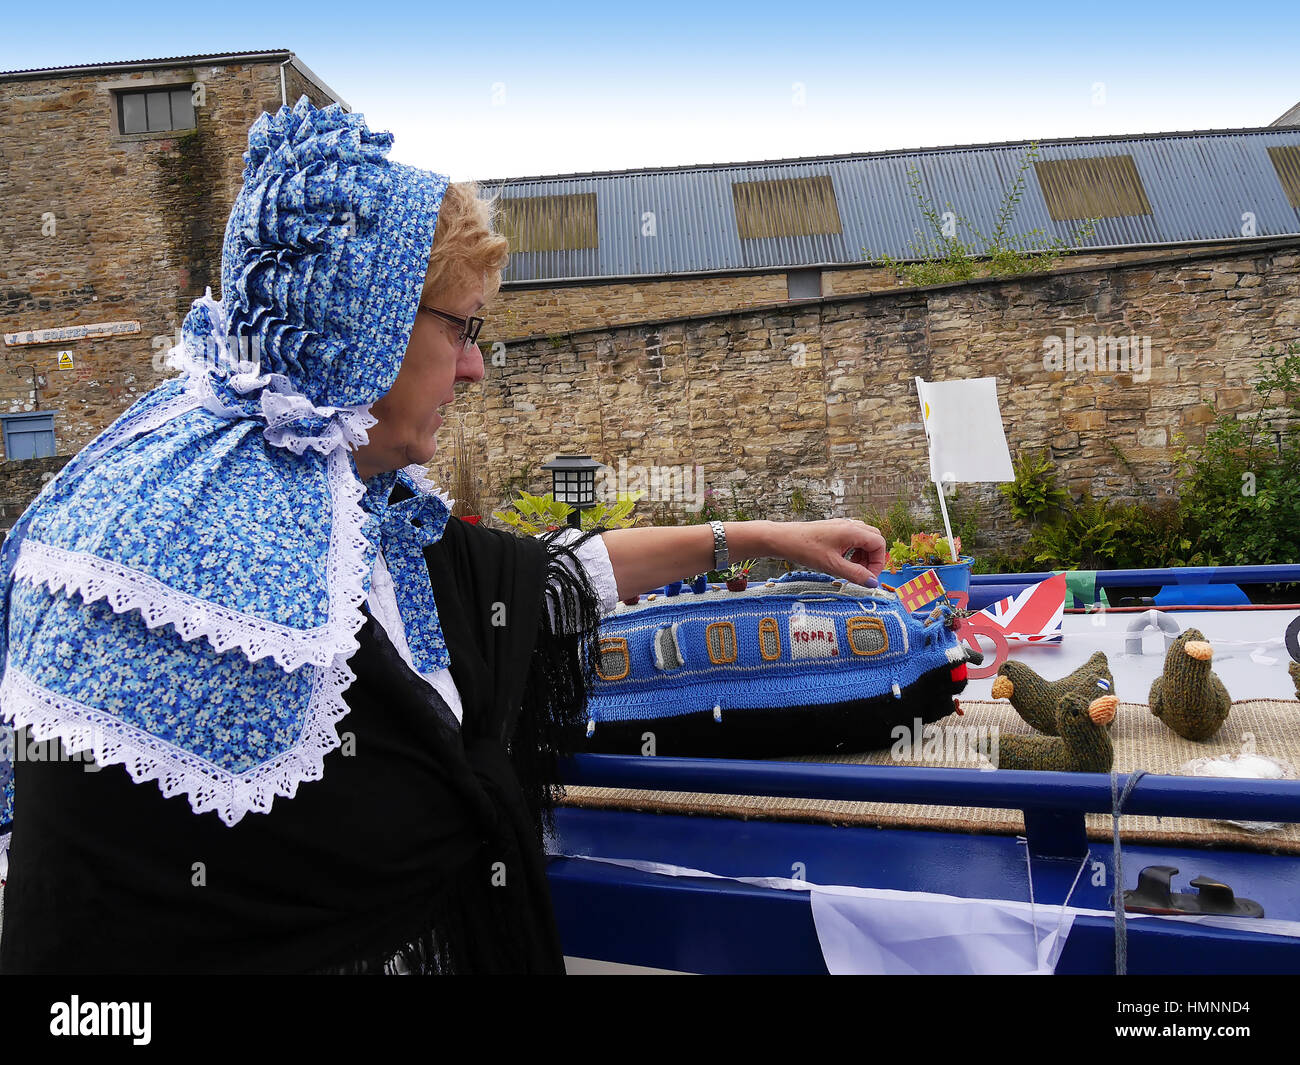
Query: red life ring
{"type": "Point", "coordinates": [969, 629]}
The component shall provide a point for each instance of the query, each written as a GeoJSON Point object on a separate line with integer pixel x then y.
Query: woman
{"type": "Point", "coordinates": [241, 592]}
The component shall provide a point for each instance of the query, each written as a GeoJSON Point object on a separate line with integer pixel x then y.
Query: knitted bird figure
{"type": "Point", "coordinates": [1189, 697]}
{"type": "Point", "coordinates": [1083, 745]}
{"type": "Point", "coordinates": [1036, 700]}
{"type": "Point", "coordinates": [1294, 669]}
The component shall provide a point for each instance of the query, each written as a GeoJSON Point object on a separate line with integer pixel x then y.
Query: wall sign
{"type": "Point", "coordinates": [71, 332]}
{"type": "Point", "coordinates": [65, 360]}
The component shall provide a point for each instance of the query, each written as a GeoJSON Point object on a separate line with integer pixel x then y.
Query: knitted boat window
{"type": "Point", "coordinates": [720, 637]}
{"type": "Point", "coordinates": [614, 663]}
{"type": "Point", "coordinates": [668, 654]}
{"type": "Point", "coordinates": [769, 639]}
{"type": "Point", "coordinates": [867, 636]}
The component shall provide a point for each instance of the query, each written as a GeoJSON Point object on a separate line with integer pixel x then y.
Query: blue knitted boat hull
{"type": "Point", "coordinates": [799, 665]}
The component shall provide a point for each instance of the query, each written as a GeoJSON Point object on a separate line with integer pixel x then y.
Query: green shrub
{"type": "Point", "coordinates": [945, 257]}
{"type": "Point", "coordinates": [894, 523]}
{"type": "Point", "coordinates": [1240, 491]}
{"type": "Point", "coordinates": [1086, 536]}
{"type": "Point", "coordinates": [1034, 494]}
{"type": "Point", "coordinates": [536, 514]}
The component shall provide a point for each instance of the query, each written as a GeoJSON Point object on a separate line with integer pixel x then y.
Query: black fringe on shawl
{"type": "Point", "coordinates": [481, 929]}
{"type": "Point", "coordinates": [473, 928]}
{"type": "Point", "coordinates": [553, 717]}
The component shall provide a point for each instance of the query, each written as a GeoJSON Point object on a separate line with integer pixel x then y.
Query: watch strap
{"type": "Point", "coordinates": [720, 558]}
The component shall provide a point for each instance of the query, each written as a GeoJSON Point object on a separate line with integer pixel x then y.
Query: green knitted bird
{"type": "Point", "coordinates": [1036, 700]}
{"type": "Point", "coordinates": [1083, 745]}
{"type": "Point", "coordinates": [1189, 697]}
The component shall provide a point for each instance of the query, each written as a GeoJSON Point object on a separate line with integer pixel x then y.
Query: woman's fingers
{"type": "Point", "coordinates": [871, 554]}
{"type": "Point", "coordinates": [841, 547]}
{"type": "Point", "coordinates": [866, 554]}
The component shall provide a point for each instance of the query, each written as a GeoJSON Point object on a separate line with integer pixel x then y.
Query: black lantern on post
{"type": "Point", "coordinates": [573, 480]}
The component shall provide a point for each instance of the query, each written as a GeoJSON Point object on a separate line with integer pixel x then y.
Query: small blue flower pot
{"type": "Point", "coordinates": [700, 585]}
{"type": "Point", "coordinates": [673, 588]}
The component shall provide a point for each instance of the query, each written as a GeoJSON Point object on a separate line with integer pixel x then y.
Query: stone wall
{"type": "Point", "coordinates": [819, 396]}
{"type": "Point", "coordinates": [102, 227]}
{"type": "Point", "coordinates": [20, 482]}
{"type": "Point", "coordinates": [536, 309]}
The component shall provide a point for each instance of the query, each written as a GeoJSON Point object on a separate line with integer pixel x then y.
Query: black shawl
{"type": "Point", "coordinates": [419, 850]}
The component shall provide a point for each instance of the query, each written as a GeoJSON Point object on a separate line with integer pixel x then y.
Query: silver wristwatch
{"type": "Point", "coordinates": [720, 559]}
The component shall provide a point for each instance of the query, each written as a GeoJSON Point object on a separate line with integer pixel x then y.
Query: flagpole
{"type": "Point", "coordinates": [943, 506]}
{"type": "Point", "coordinates": [943, 509]}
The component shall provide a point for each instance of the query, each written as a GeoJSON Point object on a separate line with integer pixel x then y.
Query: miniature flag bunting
{"type": "Point", "coordinates": [921, 590]}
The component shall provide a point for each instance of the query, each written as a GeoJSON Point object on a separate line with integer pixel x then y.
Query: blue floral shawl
{"type": "Point", "coordinates": [183, 597]}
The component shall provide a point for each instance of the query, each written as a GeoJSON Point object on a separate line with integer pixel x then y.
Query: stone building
{"type": "Point", "coordinates": [118, 179]}
{"type": "Point", "coordinates": [619, 247]}
{"type": "Point", "coordinates": [809, 408]}
{"type": "Point", "coordinates": [725, 318]}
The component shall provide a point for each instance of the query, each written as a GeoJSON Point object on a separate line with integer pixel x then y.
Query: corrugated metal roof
{"type": "Point", "coordinates": [169, 60]}
{"type": "Point", "coordinates": [1199, 186]}
{"type": "Point", "coordinates": [1290, 118]}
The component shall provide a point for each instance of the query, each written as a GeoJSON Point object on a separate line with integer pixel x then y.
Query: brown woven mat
{"type": "Point", "coordinates": [1141, 740]}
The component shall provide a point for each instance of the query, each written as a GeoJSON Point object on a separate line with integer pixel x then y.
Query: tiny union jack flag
{"type": "Point", "coordinates": [921, 590]}
{"type": "Point", "coordinates": [1034, 615]}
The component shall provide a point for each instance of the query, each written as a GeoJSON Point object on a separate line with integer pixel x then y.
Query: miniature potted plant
{"type": "Point", "coordinates": [929, 551]}
{"type": "Point", "coordinates": [465, 489]}
{"type": "Point", "coordinates": [700, 583]}
{"type": "Point", "coordinates": [738, 575]}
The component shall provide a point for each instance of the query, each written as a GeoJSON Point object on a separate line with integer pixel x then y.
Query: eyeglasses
{"type": "Point", "coordinates": [469, 327]}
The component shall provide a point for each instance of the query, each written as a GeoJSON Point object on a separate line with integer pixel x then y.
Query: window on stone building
{"type": "Point", "coordinates": [155, 110]}
{"type": "Point", "coordinates": [28, 435]}
{"type": "Point", "coordinates": [803, 284]}
{"type": "Point", "coordinates": [1103, 186]}
{"type": "Point", "coordinates": [794, 207]}
{"type": "Point", "coordinates": [1286, 161]}
{"type": "Point", "coordinates": [549, 223]}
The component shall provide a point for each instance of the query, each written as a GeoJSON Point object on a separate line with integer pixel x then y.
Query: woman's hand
{"type": "Point", "coordinates": [823, 545]}
{"type": "Point", "coordinates": [647, 558]}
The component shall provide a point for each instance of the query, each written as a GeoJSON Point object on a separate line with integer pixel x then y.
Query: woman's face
{"type": "Point", "coordinates": [408, 413]}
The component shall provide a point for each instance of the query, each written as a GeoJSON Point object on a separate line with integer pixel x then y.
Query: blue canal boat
{"type": "Point", "coordinates": [732, 865]}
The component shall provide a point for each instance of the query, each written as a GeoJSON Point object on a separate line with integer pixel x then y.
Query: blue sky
{"type": "Point", "coordinates": [515, 90]}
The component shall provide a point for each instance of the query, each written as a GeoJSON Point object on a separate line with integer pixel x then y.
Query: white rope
{"type": "Point", "coordinates": [1065, 905]}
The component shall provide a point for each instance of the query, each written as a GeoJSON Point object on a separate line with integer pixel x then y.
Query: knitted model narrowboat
{"type": "Point", "coordinates": [804, 663]}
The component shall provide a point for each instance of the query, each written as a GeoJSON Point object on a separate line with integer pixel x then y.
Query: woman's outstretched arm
{"type": "Point", "coordinates": [647, 558]}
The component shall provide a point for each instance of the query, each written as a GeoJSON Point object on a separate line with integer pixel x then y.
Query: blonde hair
{"type": "Point", "coordinates": [465, 245]}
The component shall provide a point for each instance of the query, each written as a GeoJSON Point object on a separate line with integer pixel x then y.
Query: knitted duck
{"type": "Point", "coordinates": [1189, 697]}
{"type": "Point", "coordinates": [1036, 700]}
{"type": "Point", "coordinates": [1083, 745]}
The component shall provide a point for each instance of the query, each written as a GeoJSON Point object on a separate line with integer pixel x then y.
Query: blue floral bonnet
{"type": "Point", "coordinates": [183, 597]}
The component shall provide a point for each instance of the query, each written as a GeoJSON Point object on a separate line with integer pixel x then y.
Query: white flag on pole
{"type": "Point", "coordinates": [964, 429]}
